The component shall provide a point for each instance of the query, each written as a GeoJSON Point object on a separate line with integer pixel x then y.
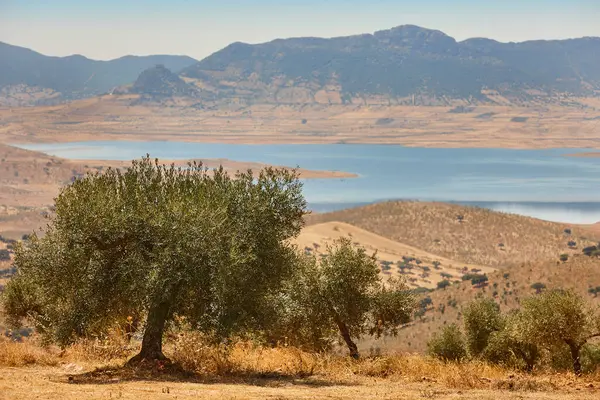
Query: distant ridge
{"type": "Point", "coordinates": [407, 64]}
{"type": "Point", "coordinates": [74, 76]}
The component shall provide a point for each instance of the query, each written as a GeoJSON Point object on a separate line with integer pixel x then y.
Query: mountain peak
{"type": "Point", "coordinates": [159, 81]}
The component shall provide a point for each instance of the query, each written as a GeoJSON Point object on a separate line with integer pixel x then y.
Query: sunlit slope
{"type": "Point", "coordinates": [426, 273]}
{"type": "Point", "coordinates": [464, 234]}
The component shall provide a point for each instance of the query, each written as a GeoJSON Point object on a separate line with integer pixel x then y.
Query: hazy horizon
{"type": "Point", "coordinates": [197, 28]}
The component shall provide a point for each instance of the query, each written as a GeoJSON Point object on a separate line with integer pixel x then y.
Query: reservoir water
{"type": "Point", "coordinates": [540, 183]}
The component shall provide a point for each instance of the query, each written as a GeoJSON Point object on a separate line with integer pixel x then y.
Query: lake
{"type": "Point", "coordinates": [539, 183]}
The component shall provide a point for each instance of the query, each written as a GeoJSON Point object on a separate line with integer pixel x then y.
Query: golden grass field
{"type": "Point", "coordinates": [121, 117]}
{"type": "Point", "coordinates": [93, 370]}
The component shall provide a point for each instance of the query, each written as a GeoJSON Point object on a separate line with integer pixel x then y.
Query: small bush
{"type": "Point", "coordinates": [538, 286]}
{"type": "Point", "coordinates": [4, 255]}
{"type": "Point", "coordinates": [564, 257]}
{"type": "Point", "coordinates": [443, 284]}
{"type": "Point", "coordinates": [448, 345]}
{"type": "Point", "coordinates": [481, 318]}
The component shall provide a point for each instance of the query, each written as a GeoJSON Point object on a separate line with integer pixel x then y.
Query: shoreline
{"type": "Point", "coordinates": [298, 140]}
{"type": "Point", "coordinates": [590, 154]}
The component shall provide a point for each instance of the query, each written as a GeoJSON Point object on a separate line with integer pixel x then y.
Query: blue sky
{"type": "Point", "coordinates": [105, 29]}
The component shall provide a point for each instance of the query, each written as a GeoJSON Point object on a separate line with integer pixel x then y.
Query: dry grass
{"type": "Point", "coordinates": [434, 228]}
{"type": "Point", "coordinates": [248, 371]}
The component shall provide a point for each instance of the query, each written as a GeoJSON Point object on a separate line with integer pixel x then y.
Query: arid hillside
{"type": "Point", "coordinates": [418, 267]}
{"type": "Point", "coordinates": [507, 287]}
{"type": "Point", "coordinates": [465, 234]}
{"type": "Point", "coordinates": [134, 117]}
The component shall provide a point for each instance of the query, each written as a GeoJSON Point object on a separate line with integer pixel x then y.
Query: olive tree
{"type": "Point", "coordinates": [557, 318]}
{"type": "Point", "coordinates": [481, 317]}
{"type": "Point", "coordinates": [160, 242]}
{"type": "Point", "coordinates": [510, 347]}
{"type": "Point", "coordinates": [341, 293]}
{"type": "Point", "coordinates": [448, 344]}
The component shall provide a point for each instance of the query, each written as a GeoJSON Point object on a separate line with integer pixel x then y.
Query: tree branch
{"type": "Point", "coordinates": [592, 336]}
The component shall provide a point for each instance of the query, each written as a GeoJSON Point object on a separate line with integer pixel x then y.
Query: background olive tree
{"type": "Point", "coordinates": [340, 294]}
{"type": "Point", "coordinates": [157, 242]}
{"type": "Point", "coordinates": [510, 347]}
{"type": "Point", "coordinates": [557, 318]}
{"type": "Point", "coordinates": [481, 317]}
{"type": "Point", "coordinates": [448, 344]}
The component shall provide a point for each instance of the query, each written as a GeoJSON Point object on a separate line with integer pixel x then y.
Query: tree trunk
{"type": "Point", "coordinates": [152, 341]}
{"type": "Point", "coordinates": [346, 335]}
{"type": "Point", "coordinates": [575, 356]}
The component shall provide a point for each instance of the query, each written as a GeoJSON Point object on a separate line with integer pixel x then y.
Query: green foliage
{"type": "Point", "coordinates": [538, 287]}
{"type": "Point", "coordinates": [509, 348]}
{"type": "Point", "coordinates": [481, 317]}
{"type": "Point", "coordinates": [158, 242]}
{"type": "Point", "coordinates": [342, 291]}
{"type": "Point", "coordinates": [448, 345]}
{"type": "Point", "coordinates": [557, 318]}
{"type": "Point", "coordinates": [4, 255]}
{"type": "Point", "coordinates": [590, 357]}
{"type": "Point", "coordinates": [564, 257]}
{"type": "Point", "coordinates": [443, 284]}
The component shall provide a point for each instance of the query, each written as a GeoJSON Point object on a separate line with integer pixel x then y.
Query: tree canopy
{"type": "Point", "coordinates": [481, 317]}
{"type": "Point", "coordinates": [157, 242]}
{"type": "Point", "coordinates": [557, 318]}
{"type": "Point", "coordinates": [341, 292]}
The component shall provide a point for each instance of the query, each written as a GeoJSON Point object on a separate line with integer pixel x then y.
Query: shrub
{"type": "Point", "coordinates": [538, 286]}
{"type": "Point", "coordinates": [478, 280]}
{"type": "Point", "coordinates": [4, 255]}
{"type": "Point", "coordinates": [443, 284]}
{"type": "Point", "coordinates": [507, 347]}
{"type": "Point", "coordinates": [448, 345]}
{"type": "Point", "coordinates": [481, 317]}
{"type": "Point", "coordinates": [564, 257]}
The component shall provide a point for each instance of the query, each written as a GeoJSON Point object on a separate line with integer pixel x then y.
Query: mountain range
{"type": "Point", "coordinates": [74, 76]}
{"type": "Point", "coordinates": [402, 65]}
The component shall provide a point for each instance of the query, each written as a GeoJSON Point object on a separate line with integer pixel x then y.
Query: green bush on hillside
{"type": "Point", "coordinates": [448, 345]}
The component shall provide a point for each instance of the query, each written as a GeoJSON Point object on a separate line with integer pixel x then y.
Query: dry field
{"type": "Point", "coordinates": [94, 371]}
{"type": "Point", "coordinates": [122, 117]}
{"type": "Point", "coordinates": [483, 237]}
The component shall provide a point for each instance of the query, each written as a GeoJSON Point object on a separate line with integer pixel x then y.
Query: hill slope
{"type": "Point", "coordinates": [483, 237]}
{"type": "Point", "coordinates": [506, 287]}
{"type": "Point", "coordinates": [396, 64]}
{"type": "Point", "coordinates": [159, 81]}
{"type": "Point", "coordinates": [425, 271]}
{"type": "Point", "coordinates": [75, 76]}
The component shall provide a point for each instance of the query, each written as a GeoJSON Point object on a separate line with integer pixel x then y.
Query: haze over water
{"type": "Point", "coordinates": [540, 183]}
